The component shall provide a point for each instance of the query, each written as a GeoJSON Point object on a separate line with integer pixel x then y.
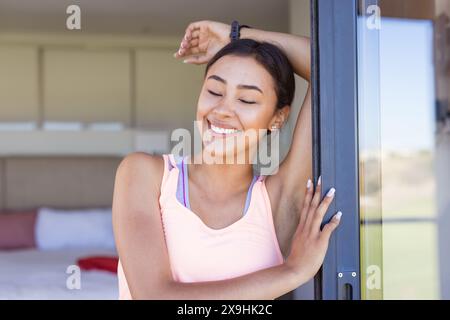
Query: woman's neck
{"type": "Point", "coordinates": [228, 178]}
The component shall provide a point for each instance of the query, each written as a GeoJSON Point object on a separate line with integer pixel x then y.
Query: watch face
{"type": "Point", "coordinates": [234, 35]}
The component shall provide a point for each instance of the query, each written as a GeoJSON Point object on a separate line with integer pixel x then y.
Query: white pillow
{"type": "Point", "coordinates": [61, 229]}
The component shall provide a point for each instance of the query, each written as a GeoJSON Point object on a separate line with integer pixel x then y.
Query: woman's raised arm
{"type": "Point", "coordinates": [288, 184]}
{"type": "Point", "coordinates": [296, 48]}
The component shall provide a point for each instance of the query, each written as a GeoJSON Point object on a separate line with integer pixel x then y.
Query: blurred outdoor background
{"type": "Point", "coordinates": [404, 151]}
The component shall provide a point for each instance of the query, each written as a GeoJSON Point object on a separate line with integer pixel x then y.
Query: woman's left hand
{"type": "Point", "coordinates": [202, 40]}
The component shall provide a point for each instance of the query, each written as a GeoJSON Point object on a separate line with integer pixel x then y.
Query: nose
{"type": "Point", "coordinates": [224, 110]}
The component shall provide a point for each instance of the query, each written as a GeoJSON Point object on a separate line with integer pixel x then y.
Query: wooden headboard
{"type": "Point", "coordinates": [64, 182]}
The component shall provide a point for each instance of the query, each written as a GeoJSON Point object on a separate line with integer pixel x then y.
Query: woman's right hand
{"type": "Point", "coordinates": [310, 243]}
{"type": "Point", "coordinates": [202, 40]}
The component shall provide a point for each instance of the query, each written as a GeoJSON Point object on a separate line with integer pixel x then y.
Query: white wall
{"type": "Point", "coordinates": [166, 90]}
{"type": "Point", "coordinates": [19, 96]}
{"type": "Point", "coordinates": [87, 85]}
{"type": "Point", "coordinates": [94, 79]}
{"type": "Point", "coordinates": [128, 80]}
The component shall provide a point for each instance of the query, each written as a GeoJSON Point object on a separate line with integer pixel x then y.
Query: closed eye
{"type": "Point", "coordinates": [242, 100]}
{"type": "Point", "coordinates": [247, 102]}
{"type": "Point", "coordinates": [214, 93]}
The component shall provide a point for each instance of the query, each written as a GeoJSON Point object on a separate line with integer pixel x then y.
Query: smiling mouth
{"type": "Point", "coordinates": [222, 131]}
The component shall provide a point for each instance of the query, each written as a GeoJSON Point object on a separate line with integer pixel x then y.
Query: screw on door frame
{"type": "Point", "coordinates": [347, 283]}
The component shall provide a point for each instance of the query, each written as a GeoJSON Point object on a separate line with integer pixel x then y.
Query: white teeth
{"type": "Point", "coordinates": [223, 130]}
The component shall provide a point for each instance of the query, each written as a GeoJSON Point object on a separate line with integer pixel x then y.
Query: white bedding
{"type": "Point", "coordinates": [34, 274]}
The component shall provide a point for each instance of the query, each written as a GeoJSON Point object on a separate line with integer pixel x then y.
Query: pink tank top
{"type": "Point", "coordinates": [199, 253]}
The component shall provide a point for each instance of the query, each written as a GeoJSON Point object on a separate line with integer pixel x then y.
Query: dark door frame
{"type": "Point", "coordinates": [335, 140]}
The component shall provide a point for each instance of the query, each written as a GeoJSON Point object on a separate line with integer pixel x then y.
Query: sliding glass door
{"type": "Point", "coordinates": [382, 138]}
{"type": "Point", "coordinates": [404, 71]}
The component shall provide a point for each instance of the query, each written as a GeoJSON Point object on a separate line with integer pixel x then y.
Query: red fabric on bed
{"type": "Point", "coordinates": [99, 263]}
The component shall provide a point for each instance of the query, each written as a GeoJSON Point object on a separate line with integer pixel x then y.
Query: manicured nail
{"type": "Point", "coordinates": [331, 192]}
{"type": "Point", "coordinates": [338, 215]}
{"type": "Point", "coordinates": [319, 180]}
{"type": "Point", "coordinates": [308, 184]}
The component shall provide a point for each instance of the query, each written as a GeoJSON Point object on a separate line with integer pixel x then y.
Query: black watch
{"type": "Point", "coordinates": [235, 33]}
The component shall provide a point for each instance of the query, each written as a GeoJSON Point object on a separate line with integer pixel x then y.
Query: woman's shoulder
{"type": "Point", "coordinates": [140, 167]}
{"type": "Point", "coordinates": [142, 161]}
{"type": "Point", "coordinates": [139, 159]}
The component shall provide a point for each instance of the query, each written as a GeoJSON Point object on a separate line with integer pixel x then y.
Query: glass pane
{"type": "Point", "coordinates": [404, 148]}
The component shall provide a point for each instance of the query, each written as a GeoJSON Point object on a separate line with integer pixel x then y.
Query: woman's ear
{"type": "Point", "coordinates": [279, 118]}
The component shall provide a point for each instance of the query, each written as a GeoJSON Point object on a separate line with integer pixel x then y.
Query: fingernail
{"type": "Point", "coordinates": [338, 215]}
{"type": "Point", "coordinates": [185, 37]}
{"type": "Point", "coordinates": [319, 180]}
{"type": "Point", "coordinates": [179, 52]}
{"type": "Point", "coordinates": [331, 192]}
{"type": "Point", "coordinates": [308, 184]}
{"type": "Point", "coordinates": [185, 61]}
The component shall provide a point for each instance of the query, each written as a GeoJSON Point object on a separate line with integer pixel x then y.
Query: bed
{"type": "Point", "coordinates": [63, 182]}
{"type": "Point", "coordinates": [33, 274]}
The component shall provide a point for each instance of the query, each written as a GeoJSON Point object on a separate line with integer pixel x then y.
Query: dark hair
{"type": "Point", "coordinates": [271, 58]}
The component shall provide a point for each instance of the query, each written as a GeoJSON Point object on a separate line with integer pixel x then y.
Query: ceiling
{"type": "Point", "coordinates": [159, 17]}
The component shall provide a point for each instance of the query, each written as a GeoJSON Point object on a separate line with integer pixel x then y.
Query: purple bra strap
{"type": "Point", "coordinates": [184, 183]}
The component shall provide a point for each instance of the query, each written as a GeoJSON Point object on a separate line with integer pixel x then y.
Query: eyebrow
{"type": "Point", "coordinates": [240, 86]}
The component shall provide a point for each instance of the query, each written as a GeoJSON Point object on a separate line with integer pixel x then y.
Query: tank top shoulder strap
{"type": "Point", "coordinates": [168, 183]}
{"type": "Point", "coordinates": [262, 178]}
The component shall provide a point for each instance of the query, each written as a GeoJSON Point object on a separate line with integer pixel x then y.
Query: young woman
{"type": "Point", "coordinates": [193, 230]}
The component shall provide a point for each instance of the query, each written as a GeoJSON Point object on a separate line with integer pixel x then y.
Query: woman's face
{"type": "Point", "coordinates": [237, 98]}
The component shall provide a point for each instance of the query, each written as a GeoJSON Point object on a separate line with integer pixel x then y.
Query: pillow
{"type": "Point", "coordinates": [66, 229]}
{"type": "Point", "coordinates": [17, 229]}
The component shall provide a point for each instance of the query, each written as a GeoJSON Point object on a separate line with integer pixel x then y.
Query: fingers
{"type": "Point", "coordinates": [190, 40]}
{"type": "Point", "coordinates": [316, 198]}
{"type": "Point", "coordinates": [193, 27]}
{"type": "Point", "coordinates": [194, 34]}
{"type": "Point", "coordinates": [188, 47]}
{"type": "Point", "coordinates": [314, 210]}
{"type": "Point", "coordinates": [306, 202]}
{"type": "Point", "coordinates": [331, 226]}
{"type": "Point", "coordinates": [322, 209]}
{"type": "Point", "coordinates": [314, 202]}
{"type": "Point", "coordinates": [193, 42]}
